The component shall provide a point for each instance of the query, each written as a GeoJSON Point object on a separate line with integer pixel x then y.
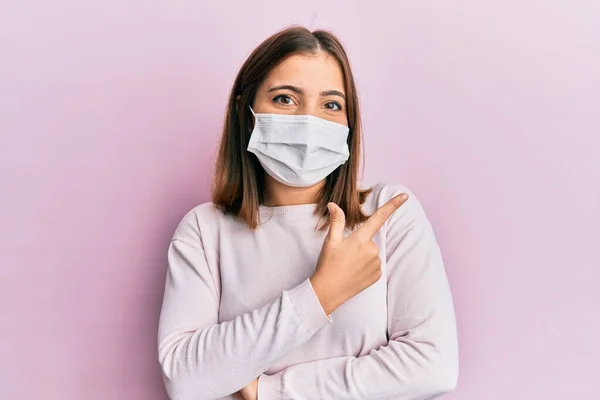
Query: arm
{"type": "Point", "coordinates": [204, 359]}
{"type": "Point", "coordinates": [421, 359]}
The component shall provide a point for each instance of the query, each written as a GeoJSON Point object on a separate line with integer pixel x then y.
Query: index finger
{"type": "Point", "coordinates": [382, 214]}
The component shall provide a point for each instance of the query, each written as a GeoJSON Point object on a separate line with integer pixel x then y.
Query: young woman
{"type": "Point", "coordinates": [294, 283]}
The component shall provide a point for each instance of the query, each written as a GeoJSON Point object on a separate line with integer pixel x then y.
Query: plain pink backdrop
{"type": "Point", "coordinates": [110, 112]}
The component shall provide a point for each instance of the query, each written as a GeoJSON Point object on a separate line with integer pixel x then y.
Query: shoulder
{"type": "Point", "coordinates": [407, 214]}
{"type": "Point", "coordinates": [202, 220]}
{"type": "Point", "coordinates": [383, 192]}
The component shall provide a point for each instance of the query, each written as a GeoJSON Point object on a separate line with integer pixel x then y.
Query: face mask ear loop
{"type": "Point", "coordinates": [255, 119]}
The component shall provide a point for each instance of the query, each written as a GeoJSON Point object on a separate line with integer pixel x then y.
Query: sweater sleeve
{"type": "Point", "coordinates": [420, 361]}
{"type": "Point", "coordinates": [204, 359]}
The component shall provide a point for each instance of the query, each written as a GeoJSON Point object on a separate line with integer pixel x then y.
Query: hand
{"type": "Point", "coordinates": [249, 392]}
{"type": "Point", "coordinates": [347, 266]}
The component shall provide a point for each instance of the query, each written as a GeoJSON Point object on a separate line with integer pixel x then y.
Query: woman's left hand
{"type": "Point", "coordinates": [249, 392]}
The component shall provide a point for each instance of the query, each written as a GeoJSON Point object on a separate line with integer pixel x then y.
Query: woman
{"type": "Point", "coordinates": [293, 283]}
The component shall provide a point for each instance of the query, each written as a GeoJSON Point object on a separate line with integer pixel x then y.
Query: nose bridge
{"type": "Point", "coordinates": [310, 105]}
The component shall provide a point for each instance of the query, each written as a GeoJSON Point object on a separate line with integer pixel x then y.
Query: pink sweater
{"type": "Point", "coordinates": [238, 305]}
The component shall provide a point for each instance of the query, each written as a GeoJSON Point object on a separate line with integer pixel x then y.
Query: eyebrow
{"type": "Point", "coordinates": [300, 91]}
{"type": "Point", "coordinates": [333, 93]}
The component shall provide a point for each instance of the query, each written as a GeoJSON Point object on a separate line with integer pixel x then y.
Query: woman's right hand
{"type": "Point", "coordinates": [347, 266]}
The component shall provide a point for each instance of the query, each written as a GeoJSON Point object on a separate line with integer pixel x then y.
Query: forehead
{"type": "Point", "coordinates": [313, 73]}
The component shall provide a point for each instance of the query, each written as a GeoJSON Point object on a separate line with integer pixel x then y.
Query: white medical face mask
{"type": "Point", "coordinates": [298, 150]}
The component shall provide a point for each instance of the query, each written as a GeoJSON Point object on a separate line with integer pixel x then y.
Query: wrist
{"type": "Point", "coordinates": [327, 302]}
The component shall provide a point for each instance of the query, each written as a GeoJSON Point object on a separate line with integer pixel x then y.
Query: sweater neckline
{"type": "Point", "coordinates": [298, 209]}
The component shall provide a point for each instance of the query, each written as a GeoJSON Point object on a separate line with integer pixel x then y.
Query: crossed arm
{"type": "Point", "coordinates": [202, 359]}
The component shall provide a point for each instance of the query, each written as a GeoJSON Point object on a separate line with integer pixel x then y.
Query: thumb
{"type": "Point", "coordinates": [337, 222]}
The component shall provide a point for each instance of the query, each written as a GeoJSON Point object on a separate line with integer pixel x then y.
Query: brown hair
{"type": "Point", "coordinates": [239, 177]}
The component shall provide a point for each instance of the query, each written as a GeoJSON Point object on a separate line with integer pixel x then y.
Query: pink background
{"type": "Point", "coordinates": [110, 112]}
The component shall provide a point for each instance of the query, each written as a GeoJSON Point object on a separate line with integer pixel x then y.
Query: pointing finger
{"type": "Point", "coordinates": [383, 213]}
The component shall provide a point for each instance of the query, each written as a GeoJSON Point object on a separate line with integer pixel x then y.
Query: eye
{"type": "Point", "coordinates": [284, 99]}
{"type": "Point", "coordinates": [333, 106]}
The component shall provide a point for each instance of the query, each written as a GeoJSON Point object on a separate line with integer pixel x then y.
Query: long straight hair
{"type": "Point", "coordinates": [239, 178]}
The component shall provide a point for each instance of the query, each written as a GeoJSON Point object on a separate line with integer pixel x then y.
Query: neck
{"type": "Point", "coordinates": [278, 194]}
